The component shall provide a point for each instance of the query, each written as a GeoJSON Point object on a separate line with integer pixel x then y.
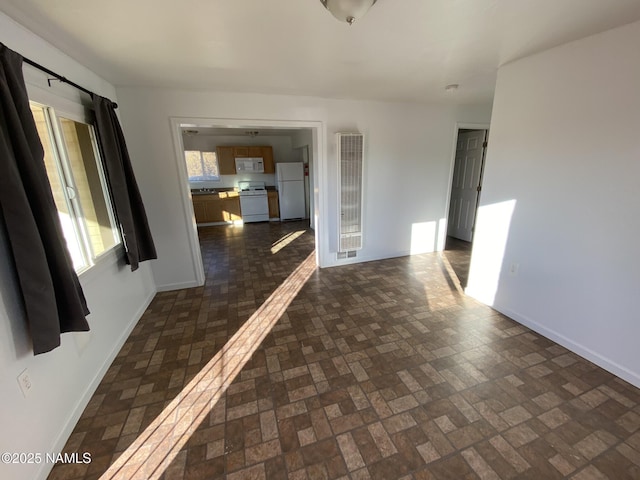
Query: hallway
{"type": "Point", "coordinates": [378, 370]}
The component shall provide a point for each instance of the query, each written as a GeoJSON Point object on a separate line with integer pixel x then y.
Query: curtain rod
{"type": "Point", "coordinates": [61, 78]}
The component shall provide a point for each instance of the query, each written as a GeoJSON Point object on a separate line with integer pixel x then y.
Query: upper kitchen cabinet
{"type": "Point", "coordinates": [240, 152]}
{"type": "Point", "coordinates": [226, 160]}
{"type": "Point", "coordinates": [250, 151]}
{"type": "Point", "coordinates": [227, 156]}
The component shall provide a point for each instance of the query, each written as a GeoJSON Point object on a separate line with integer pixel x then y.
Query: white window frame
{"type": "Point", "coordinates": [54, 109]}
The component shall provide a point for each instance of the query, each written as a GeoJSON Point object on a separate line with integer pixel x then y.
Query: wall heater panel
{"type": "Point", "coordinates": [350, 173]}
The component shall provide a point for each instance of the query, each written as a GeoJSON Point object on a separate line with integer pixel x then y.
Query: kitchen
{"type": "Point", "coordinates": [239, 176]}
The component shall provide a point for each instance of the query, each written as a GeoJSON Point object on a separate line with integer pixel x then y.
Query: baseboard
{"type": "Point", "coordinates": [609, 365]}
{"type": "Point", "coordinates": [367, 258]}
{"type": "Point", "coordinates": [215, 224]}
{"type": "Point", "coordinates": [71, 422]}
{"type": "Point", "coordinates": [178, 286]}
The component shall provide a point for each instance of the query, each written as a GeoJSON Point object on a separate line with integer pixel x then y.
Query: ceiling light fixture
{"type": "Point", "coordinates": [348, 10]}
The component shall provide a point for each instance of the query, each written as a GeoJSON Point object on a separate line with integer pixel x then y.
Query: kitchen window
{"type": "Point", "coordinates": [201, 166]}
{"type": "Point", "coordinates": [78, 185]}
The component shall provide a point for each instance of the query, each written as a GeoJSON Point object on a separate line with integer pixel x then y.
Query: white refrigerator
{"type": "Point", "coordinates": [290, 185]}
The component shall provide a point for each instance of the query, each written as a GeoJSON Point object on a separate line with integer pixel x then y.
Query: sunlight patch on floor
{"type": "Point", "coordinates": [286, 240]}
{"type": "Point", "coordinates": [154, 450]}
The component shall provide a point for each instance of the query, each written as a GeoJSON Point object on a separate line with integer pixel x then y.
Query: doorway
{"type": "Point", "coordinates": [466, 188]}
{"type": "Point", "coordinates": [311, 132]}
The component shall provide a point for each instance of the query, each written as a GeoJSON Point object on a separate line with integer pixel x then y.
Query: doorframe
{"type": "Point", "coordinates": [461, 126]}
{"type": "Point", "coordinates": [318, 129]}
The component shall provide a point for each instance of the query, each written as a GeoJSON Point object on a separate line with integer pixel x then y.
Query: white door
{"type": "Point", "coordinates": [467, 177]}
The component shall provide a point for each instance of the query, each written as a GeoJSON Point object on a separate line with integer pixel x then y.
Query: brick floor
{"type": "Point", "coordinates": [380, 370]}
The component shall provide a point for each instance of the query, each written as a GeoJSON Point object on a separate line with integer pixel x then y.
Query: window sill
{"type": "Point", "coordinates": [107, 260]}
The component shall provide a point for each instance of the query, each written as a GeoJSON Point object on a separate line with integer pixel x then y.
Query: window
{"type": "Point", "coordinates": [78, 185]}
{"type": "Point", "coordinates": [201, 166]}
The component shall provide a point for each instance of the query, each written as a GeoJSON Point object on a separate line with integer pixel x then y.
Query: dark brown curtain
{"type": "Point", "coordinates": [124, 189]}
{"type": "Point", "coordinates": [52, 295]}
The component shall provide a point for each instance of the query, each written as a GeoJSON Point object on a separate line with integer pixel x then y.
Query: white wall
{"type": "Point", "coordinates": [408, 165]}
{"type": "Point", "coordinates": [564, 156]}
{"type": "Point", "coordinates": [302, 138]}
{"type": "Point", "coordinates": [64, 379]}
{"type": "Point", "coordinates": [282, 152]}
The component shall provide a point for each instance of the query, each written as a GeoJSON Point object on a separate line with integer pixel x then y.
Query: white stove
{"type": "Point", "coordinates": [254, 204]}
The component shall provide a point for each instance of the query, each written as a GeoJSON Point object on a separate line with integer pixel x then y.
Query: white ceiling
{"type": "Point", "coordinates": [402, 50]}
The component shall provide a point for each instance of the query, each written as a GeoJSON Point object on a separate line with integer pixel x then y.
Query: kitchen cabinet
{"type": "Point", "coordinates": [230, 207]}
{"type": "Point", "coordinates": [216, 207]}
{"type": "Point", "coordinates": [202, 209]}
{"type": "Point", "coordinates": [249, 151]}
{"type": "Point", "coordinates": [207, 208]}
{"type": "Point", "coordinates": [228, 154]}
{"type": "Point", "coordinates": [267, 156]}
{"type": "Point", "coordinates": [274, 208]}
{"type": "Point", "coordinates": [226, 160]}
{"type": "Point", "coordinates": [240, 152]}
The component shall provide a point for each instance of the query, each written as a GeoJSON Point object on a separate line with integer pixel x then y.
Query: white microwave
{"type": "Point", "coordinates": [250, 165]}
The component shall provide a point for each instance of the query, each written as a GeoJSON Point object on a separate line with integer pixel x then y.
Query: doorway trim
{"type": "Point", "coordinates": [318, 133]}
{"type": "Point", "coordinates": [459, 126]}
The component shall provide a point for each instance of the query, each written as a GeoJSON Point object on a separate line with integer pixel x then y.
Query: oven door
{"type": "Point", "coordinates": [254, 208]}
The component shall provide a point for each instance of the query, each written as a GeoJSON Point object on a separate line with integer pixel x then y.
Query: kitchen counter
{"type": "Point", "coordinates": [211, 208]}
{"type": "Point", "coordinates": [217, 193]}
{"type": "Point", "coordinates": [219, 206]}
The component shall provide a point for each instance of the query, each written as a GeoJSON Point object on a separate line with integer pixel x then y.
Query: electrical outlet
{"type": "Point", "coordinates": [24, 380]}
{"type": "Point", "coordinates": [513, 270]}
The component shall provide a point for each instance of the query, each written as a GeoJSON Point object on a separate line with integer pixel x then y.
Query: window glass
{"type": "Point", "coordinates": [93, 206]}
{"type": "Point", "coordinates": [56, 180]}
{"type": "Point", "coordinates": [78, 185]}
{"type": "Point", "coordinates": [210, 164]}
{"type": "Point", "coordinates": [201, 166]}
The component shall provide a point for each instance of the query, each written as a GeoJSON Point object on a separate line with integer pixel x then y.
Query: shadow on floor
{"type": "Point", "coordinates": [458, 252]}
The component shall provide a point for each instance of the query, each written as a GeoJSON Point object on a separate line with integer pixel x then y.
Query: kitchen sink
{"type": "Point", "coordinates": [203, 191]}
